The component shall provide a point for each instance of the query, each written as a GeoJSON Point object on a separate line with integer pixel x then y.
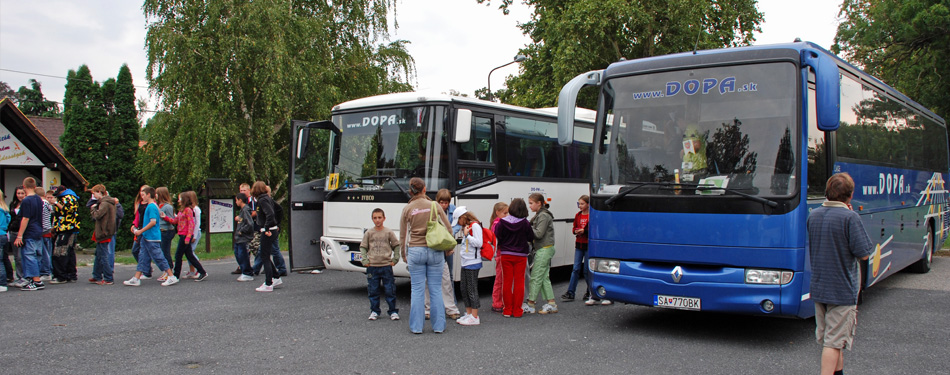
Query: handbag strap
{"type": "Point", "coordinates": [433, 216]}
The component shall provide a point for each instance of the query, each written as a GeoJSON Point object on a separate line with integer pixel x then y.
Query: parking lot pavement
{"type": "Point", "coordinates": [318, 324]}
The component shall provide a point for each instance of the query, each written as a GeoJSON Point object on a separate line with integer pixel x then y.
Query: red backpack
{"type": "Point", "coordinates": [489, 242]}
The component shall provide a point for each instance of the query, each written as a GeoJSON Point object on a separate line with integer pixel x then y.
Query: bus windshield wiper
{"type": "Point", "coordinates": [631, 186]}
{"type": "Point", "coordinates": [751, 197]}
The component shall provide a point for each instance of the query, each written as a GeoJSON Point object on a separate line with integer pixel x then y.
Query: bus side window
{"type": "Point", "coordinates": [480, 145]}
{"type": "Point", "coordinates": [817, 152]}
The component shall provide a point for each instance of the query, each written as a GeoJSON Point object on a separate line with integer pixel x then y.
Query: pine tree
{"type": "Point", "coordinates": [85, 121]}
{"type": "Point", "coordinates": [31, 101]}
{"type": "Point", "coordinates": [123, 148]}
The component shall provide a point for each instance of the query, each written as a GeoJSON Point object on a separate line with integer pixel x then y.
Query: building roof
{"type": "Point", "coordinates": [51, 127]}
{"type": "Point", "coordinates": [27, 132]}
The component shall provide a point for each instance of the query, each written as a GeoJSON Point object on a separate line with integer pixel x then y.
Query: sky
{"type": "Point", "coordinates": [455, 43]}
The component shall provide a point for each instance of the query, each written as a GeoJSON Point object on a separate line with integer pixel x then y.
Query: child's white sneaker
{"type": "Point", "coordinates": [528, 309]}
{"type": "Point", "coordinates": [590, 302]}
{"type": "Point", "coordinates": [276, 281]}
{"type": "Point", "coordinates": [171, 280]}
{"type": "Point", "coordinates": [470, 321]}
{"type": "Point", "coordinates": [394, 316]}
{"type": "Point", "coordinates": [373, 315]}
{"type": "Point", "coordinates": [548, 309]}
{"type": "Point", "coordinates": [606, 302]}
{"type": "Point", "coordinates": [132, 282]}
{"type": "Point", "coordinates": [464, 316]}
{"type": "Point", "coordinates": [265, 288]}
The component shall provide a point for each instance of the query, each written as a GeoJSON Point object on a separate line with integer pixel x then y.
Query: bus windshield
{"type": "Point", "coordinates": [383, 149]}
{"type": "Point", "coordinates": [730, 127]}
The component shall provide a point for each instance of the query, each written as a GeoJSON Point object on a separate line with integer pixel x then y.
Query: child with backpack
{"type": "Point", "coordinates": [471, 262]}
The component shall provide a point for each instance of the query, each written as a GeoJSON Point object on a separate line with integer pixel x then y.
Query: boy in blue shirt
{"type": "Point", "coordinates": [151, 244]}
{"type": "Point", "coordinates": [30, 237]}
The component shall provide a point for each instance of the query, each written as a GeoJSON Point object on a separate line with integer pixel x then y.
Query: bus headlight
{"type": "Point", "coordinates": [605, 265]}
{"type": "Point", "coordinates": [770, 277]}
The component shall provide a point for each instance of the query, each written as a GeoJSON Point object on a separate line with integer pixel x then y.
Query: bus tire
{"type": "Point", "coordinates": [923, 265]}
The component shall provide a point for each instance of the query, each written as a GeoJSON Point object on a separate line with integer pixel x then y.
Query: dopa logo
{"type": "Point", "coordinates": [887, 184]}
{"type": "Point", "coordinates": [693, 86]}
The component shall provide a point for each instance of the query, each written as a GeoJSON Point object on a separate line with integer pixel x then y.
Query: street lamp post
{"type": "Point", "coordinates": [518, 58]}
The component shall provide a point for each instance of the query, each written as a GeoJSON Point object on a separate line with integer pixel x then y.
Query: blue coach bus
{"type": "Point", "coordinates": [706, 165]}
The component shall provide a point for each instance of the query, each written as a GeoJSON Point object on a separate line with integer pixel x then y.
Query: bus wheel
{"type": "Point", "coordinates": [923, 265]}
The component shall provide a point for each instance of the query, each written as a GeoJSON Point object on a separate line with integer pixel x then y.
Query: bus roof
{"type": "Point", "coordinates": [791, 51]}
{"type": "Point", "coordinates": [582, 114]}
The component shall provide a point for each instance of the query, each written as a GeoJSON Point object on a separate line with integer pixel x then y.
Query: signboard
{"type": "Point", "coordinates": [221, 217]}
{"type": "Point", "coordinates": [13, 152]}
{"type": "Point", "coordinates": [51, 179]}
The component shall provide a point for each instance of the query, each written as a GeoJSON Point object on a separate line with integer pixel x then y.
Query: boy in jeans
{"type": "Point", "coordinates": [380, 252]}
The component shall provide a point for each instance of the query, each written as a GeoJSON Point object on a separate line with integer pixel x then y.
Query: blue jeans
{"type": "Point", "coordinates": [102, 268]}
{"type": "Point", "coordinates": [277, 257]}
{"type": "Point", "coordinates": [580, 265]}
{"type": "Point", "coordinates": [3, 269]}
{"type": "Point", "coordinates": [243, 258]}
{"type": "Point", "coordinates": [46, 262]}
{"type": "Point", "coordinates": [29, 254]}
{"type": "Point", "coordinates": [151, 251]}
{"type": "Point", "coordinates": [375, 275]}
{"type": "Point", "coordinates": [167, 237]}
{"type": "Point", "coordinates": [137, 253]}
{"type": "Point", "coordinates": [425, 268]}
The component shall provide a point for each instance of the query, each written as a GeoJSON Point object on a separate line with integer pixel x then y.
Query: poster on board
{"type": "Point", "coordinates": [222, 216]}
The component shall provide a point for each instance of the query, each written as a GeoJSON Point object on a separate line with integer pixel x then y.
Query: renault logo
{"type": "Point", "coordinates": [677, 274]}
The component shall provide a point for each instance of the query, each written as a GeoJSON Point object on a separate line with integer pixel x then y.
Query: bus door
{"type": "Point", "coordinates": [308, 180]}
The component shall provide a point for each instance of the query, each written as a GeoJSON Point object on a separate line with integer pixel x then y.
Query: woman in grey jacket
{"type": "Point", "coordinates": [543, 225]}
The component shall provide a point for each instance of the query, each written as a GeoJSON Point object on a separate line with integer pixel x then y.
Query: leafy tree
{"type": "Point", "coordinates": [570, 37]}
{"type": "Point", "coordinates": [7, 91]}
{"type": "Point", "coordinates": [904, 43]}
{"type": "Point", "coordinates": [31, 101]}
{"type": "Point", "coordinates": [232, 74]}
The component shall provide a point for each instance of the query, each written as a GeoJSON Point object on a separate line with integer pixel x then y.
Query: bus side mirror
{"type": "Point", "coordinates": [567, 101]}
{"type": "Point", "coordinates": [827, 87]}
{"type": "Point", "coordinates": [463, 126]}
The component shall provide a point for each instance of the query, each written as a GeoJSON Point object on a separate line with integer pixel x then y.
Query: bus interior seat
{"type": "Point", "coordinates": [534, 161]}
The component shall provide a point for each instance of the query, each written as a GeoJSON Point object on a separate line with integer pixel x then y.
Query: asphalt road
{"type": "Point", "coordinates": [317, 324]}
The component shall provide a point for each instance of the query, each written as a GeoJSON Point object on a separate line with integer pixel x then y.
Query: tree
{"type": "Point", "coordinates": [570, 37]}
{"type": "Point", "coordinates": [904, 43]}
{"type": "Point", "coordinates": [31, 101]}
{"type": "Point", "coordinates": [232, 74]}
{"type": "Point", "coordinates": [100, 138]}
{"type": "Point", "coordinates": [7, 91]}
{"type": "Point", "coordinates": [85, 120]}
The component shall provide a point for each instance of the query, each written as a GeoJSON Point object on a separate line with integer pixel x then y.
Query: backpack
{"type": "Point", "coordinates": [489, 243]}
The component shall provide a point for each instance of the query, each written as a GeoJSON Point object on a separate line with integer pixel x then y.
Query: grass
{"type": "Point", "coordinates": [221, 247]}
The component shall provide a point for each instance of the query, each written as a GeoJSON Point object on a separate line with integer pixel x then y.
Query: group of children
{"type": "Point", "coordinates": [518, 239]}
{"type": "Point", "coordinates": [38, 219]}
{"type": "Point", "coordinates": [34, 221]}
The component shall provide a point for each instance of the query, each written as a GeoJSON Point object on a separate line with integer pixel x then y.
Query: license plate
{"type": "Point", "coordinates": [356, 257]}
{"type": "Point", "coordinates": [674, 302]}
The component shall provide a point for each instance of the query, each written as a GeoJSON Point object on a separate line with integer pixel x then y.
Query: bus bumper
{"type": "Point", "coordinates": [343, 255]}
{"type": "Point", "coordinates": [730, 294]}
